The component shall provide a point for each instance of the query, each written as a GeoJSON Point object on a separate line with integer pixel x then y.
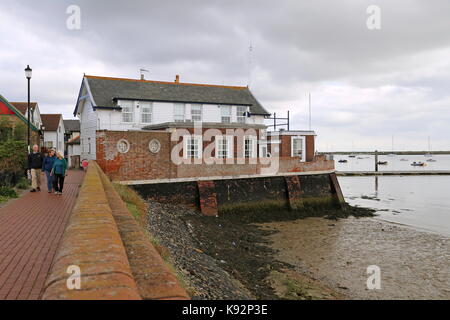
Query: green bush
{"type": "Point", "coordinates": [13, 156]}
{"type": "Point", "coordinates": [8, 192]}
{"type": "Point", "coordinates": [23, 184]}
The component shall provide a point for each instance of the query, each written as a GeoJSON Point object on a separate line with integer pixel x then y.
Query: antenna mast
{"type": "Point", "coordinates": [250, 58]}
{"type": "Point", "coordinates": [310, 111]}
{"type": "Point", "coordinates": [141, 71]}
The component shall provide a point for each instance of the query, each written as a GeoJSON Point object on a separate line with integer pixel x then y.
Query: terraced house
{"type": "Point", "coordinates": [140, 130]}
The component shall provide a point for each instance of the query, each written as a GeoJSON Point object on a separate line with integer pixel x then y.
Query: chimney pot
{"type": "Point", "coordinates": [177, 78]}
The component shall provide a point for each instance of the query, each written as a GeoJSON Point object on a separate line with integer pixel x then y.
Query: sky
{"type": "Point", "coordinates": [368, 86]}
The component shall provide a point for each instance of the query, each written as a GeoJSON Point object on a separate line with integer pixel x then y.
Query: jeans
{"type": "Point", "coordinates": [58, 183]}
{"type": "Point", "coordinates": [49, 181]}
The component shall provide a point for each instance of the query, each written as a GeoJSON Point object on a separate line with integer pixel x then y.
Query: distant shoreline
{"type": "Point", "coordinates": [385, 152]}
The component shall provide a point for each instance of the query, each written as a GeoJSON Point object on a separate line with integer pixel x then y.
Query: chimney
{"type": "Point", "coordinates": [177, 78]}
{"type": "Point", "coordinates": [142, 76]}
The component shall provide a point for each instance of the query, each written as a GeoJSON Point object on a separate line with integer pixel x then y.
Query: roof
{"type": "Point", "coordinates": [51, 121]}
{"type": "Point", "coordinates": [72, 125]}
{"type": "Point", "coordinates": [23, 106]}
{"type": "Point", "coordinates": [105, 91]}
{"type": "Point", "coordinates": [6, 104]}
{"type": "Point", "coordinates": [75, 140]}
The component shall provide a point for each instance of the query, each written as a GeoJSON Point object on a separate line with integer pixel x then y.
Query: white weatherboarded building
{"type": "Point", "coordinates": [118, 104]}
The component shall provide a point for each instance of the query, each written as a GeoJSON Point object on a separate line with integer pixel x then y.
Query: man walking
{"type": "Point", "coordinates": [35, 166]}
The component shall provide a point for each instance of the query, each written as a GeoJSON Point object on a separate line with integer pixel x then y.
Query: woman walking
{"type": "Point", "coordinates": [47, 166]}
{"type": "Point", "coordinates": [59, 173]}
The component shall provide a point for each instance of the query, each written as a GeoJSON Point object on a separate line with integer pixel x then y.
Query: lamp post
{"type": "Point", "coordinates": [28, 74]}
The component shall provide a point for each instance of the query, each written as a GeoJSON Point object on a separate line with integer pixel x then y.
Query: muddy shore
{"type": "Point", "coordinates": [232, 257]}
{"type": "Point", "coordinates": [279, 256]}
{"type": "Point", "coordinates": [413, 264]}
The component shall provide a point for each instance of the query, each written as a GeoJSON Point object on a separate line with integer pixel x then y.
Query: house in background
{"type": "Point", "coordinates": [35, 114]}
{"type": "Point", "coordinates": [72, 139]}
{"type": "Point", "coordinates": [53, 127]}
{"type": "Point", "coordinates": [12, 116]}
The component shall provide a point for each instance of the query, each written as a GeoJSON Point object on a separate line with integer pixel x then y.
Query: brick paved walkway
{"type": "Point", "coordinates": [30, 231]}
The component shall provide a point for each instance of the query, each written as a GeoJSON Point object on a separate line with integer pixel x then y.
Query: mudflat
{"type": "Point", "coordinates": [413, 264]}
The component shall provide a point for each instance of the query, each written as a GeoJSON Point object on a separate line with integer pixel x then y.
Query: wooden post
{"type": "Point", "coordinates": [376, 160]}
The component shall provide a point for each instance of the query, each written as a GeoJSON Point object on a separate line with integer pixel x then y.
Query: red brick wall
{"type": "Point", "coordinates": [140, 164]}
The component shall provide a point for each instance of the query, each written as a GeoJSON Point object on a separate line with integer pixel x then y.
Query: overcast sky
{"type": "Point", "coordinates": [366, 85]}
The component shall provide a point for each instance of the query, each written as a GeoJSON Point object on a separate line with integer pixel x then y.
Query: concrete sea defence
{"type": "Point", "coordinates": [212, 197]}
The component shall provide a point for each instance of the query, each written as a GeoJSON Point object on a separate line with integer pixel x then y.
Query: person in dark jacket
{"type": "Point", "coordinates": [59, 173]}
{"type": "Point", "coordinates": [47, 166]}
{"type": "Point", "coordinates": [34, 167]}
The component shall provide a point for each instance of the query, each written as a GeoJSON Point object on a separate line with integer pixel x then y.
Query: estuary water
{"type": "Point", "coordinates": [422, 202]}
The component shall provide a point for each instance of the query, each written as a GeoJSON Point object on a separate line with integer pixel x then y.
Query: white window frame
{"type": "Point", "coordinates": [230, 146]}
{"type": "Point", "coordinates": [263, 149]}
{"type": "Point", "coordinates": [146, 105]}
{"type": "Point", "coordinates": [175, 112]}
{"type": "Point", "coordinates": [225, 115]}
{"type": "Point", "coordinates": [240, 116]}
{"type": "Point", "coordinates": [193, 106]}
{"type": "Point", "coordinates": [254, 148]}
{"type": "Point", "coordinates": [199, 141]}
{"type": "Point", "coordinates": [303, 144]}
{"type": "Point", "coordinates": [125, 105]}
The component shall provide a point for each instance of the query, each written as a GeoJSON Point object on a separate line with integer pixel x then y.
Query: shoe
{"type": "Point", "coordinates": [38, 189]}
{"type": "Point", "coordinates": [49, 191]}
{"type": "Point", "coordinates": [56, 192]}
{"type": "Point", "coordinates": [33, 190]}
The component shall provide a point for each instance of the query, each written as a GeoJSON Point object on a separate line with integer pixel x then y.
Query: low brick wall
{"type": "Point", "coordinates": [116, 259]}
{"type": "Point", "coordinates": [92, 242]}
{"type": "Point", "coordinates": [153, 278]}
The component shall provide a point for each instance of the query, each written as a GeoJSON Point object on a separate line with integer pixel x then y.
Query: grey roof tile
{"type": "Point", "coordinates": [105, 90]}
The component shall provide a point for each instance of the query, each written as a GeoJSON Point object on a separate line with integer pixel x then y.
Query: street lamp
{"type": "Point", "coordinates": [28, 74]}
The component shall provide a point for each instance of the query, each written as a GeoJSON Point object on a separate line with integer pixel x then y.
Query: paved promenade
{"type": "Point", "coordinates": [30, 231]}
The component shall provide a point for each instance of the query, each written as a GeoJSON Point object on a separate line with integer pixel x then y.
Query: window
{"type": "Point", "coordinates": [48, 144]}
{"type": "Point", "coordinates": [179, 112]}
{"type": "Point", "coordinates": [226, 114]}
{"type": "Point", "coordinates": [123, 146]}
{"type": "Point", "coordinates": [263, 150]}
{"type": "Point", "coordinates": [196, 112]}
{"type": "Point", "coordinates": [127, 111]}
{"type": "Point", "coordinates": [146, 112]}
{"type": "Point", "coordinates": [249, 147]}
{"type": "Point", "coordinates": [241, 114]}
{"type": "Point", "coordinates": [297, 147]}
{"type": "Point", "coordinates": [193, 147]}
{"type": "Point", "coordinates": [222, 147]}
{"type": "Point", "coordinates": [89, 145]}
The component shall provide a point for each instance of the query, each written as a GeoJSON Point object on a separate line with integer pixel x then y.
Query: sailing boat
{"type": "Point", "coordinates": [429, 154]}
{"type": "Point", "coordinates": [392, 154]}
